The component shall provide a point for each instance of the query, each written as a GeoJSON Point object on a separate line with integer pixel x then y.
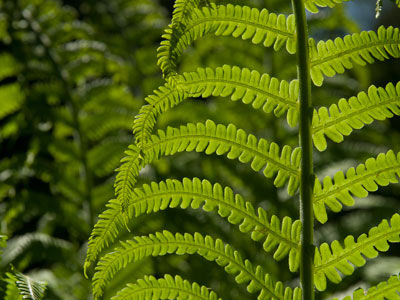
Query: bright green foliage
{"type": "Point", "coordinates": [192, 20]}
{"type": "Point", "coordinates": [312, 5]}
{"type": "Point", "coordinates": [238, 21]}
{"type": "Point", "coordinates": [280, 237]}
{"type": "Point", "coordinates": [12, 291]}
{"type": "Point", "coordinates": [330, 260]}
{"type": "Point", "coordinates": [212, 138]}
{"type": "Point", "coordinates": [332, 57]}
{"type": "Point", "coordinates": [261, 91]}
{"type": "Point", "coordinates": [160, 244]}
{"type": "Point", "coordinates": [151, 288]}
{"type": "Point", "coordinates": [384, 290]}
{"type": "Point", "coordinates": [340, 120]}
{"type": "Point", "coordinates": [358, 181]}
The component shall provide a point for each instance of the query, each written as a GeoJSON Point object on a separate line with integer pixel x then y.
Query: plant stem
{"type": "Point", "coordinates": [307, 176]}
{"type": "Point", "coordinates": [86, 174]}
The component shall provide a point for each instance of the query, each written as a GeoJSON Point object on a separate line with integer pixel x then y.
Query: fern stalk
{"type": "Point", "coordinates": [306, 175]}
{"type": "Point", "coordinates": [79, 137]}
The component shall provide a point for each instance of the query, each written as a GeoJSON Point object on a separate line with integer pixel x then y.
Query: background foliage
{"type": "Point", "coordinates": [74, 74]}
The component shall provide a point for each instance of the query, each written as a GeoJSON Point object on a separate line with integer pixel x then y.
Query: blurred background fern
{"type": "Point", "coordinates": [73, 74]}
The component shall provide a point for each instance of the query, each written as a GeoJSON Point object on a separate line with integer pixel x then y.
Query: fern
{"type": "Point", "coordinates": [330, 260]}
{"type": "Point", "coordinates": [212, 138]}
{"type": "Point", "coordinates": [191, 20]}
{"type": "Point", "coordinates": [312, 5]}
{"type": "Point", "coordinates": [332, 57]}
{"type": "Point", "coordinates": [358, 181]}
{"type": "Point", "coordinates": [248, 23]}
{"type": "Point", "coordinates": [342, 118]}
{"type": "Point", "coordinates": [165, 288]}
{"type": "Point", "coordinates": [384, 290]}
{"type": "Point", "coordinates": [261, 91]}
{"type": "Point", "coordinates": [280, 237]}
{"type": "Point", "coordinates": [29, 289]}
{"type": "Point", "coordinates": [159, 244]}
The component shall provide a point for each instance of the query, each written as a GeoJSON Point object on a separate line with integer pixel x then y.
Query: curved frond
{"type": "Point", "coordinates": [261, 91]}
{"type": "Point", "coordinates": [237, 21]}
{"type": "Point", "coordinates": [183, 10]}
{"type": "Point", "coordinates": [127, 174]}
{"type": "Point", "coordinates": [29, 288]}
{"type": "Point", "coordinates": [332, 57]}
{"type": "Point", "coordinates": [340, 120]}
{"type": "Point", "coordinates": [17, 245]}
{"type": "Point", "coordinates": [312, 5]}
{"type": "Point", "coordinates": [281, 237]}
{"type": "Point", "coordinates": [330, 260]}
{"type": "Point", "coordinates": [384, 290]}
{"type": "Point", "coordinates": [159, 244]}
{"type": "Point", "coordinates": [212, 138]}
{"type": "Point", "coordinates": [358, 181]}
{"type": "Point", "coordinates": [151, 288]}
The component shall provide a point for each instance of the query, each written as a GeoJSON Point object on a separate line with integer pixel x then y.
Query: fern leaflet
{"type": "Point", "coordinates": [283, 237]}
{"type": "Point", "coordinates": [29, 288]}
{"type": "Point", "coordinates": [238, 21]}
{"type": "Point", "coordinates": [151, 288]}
{"type": "Point", "coordinates": [312, 5]}
{"type": "Point", "coordinates": [212, 138]}
{"type": "Point", "coordinates": [378, 104]}
{"type": "Point", "coordinates": [384, 290]}
{"type": "Point", "coordinates": [159, 244]}
{"type": "Point", "coordinates": [262, 91]}
{"type": "Point", "coordinates": [332, 57]}
{"type": "Point", "coordinates": [330, 260]}
{"type": "Point", "coordinates": [365, 178]}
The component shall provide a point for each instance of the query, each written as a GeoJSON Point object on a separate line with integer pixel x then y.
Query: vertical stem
{"type": "Point", "coordinates": [86, 174]}
{"type": "Point", "coordinates": [307, 176]}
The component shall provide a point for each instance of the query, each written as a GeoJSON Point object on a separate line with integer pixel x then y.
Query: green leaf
{"type": "Point", "coordinates": [357, 182]}
{"type": "Point", "coordinates": [340, 120]}
{"type": "Point", "coordinates": [384, 290]}
{"type": "Point", "coordinates": [330, 260]}
{"type": "Point", "coordinates": [237, 21]}
{"type": "Point", "coordinates": [312, 5]}
{"type": "Point", "coordinates": [168, 287]}
{"type": "Point", "coordinates": [280, 237]}
{"type": "Point", "coordinates": [26, 286]}
{"type": "Point", "coordinates": [160, 244]}
{"type": "Point", "coordinates": [261, 91]}
{"type": "Point", "coordinates": [212, 138]}
{"type": "Point", "coordinates": [332, 57]}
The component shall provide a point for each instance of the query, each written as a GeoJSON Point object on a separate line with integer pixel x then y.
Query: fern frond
{"type": "Point", "coordinates": [212, 138]}
{"type": "Point", "coordinates": [237, 21]}
{"type": "Point", "coordinates": [280, 237]}
{"type": "Point", "coordinates": [183, 10]}
{"type": "Point", "coordinates": [29, 288]}
{"type": "Point", "coordinates": [159, 244]}
{"type": "Point", "coordinates": [384, 290]}
{"type": "Point", "coordinates": [17, 245]}
{"type": "Point", "coordinates": [330, 260]}
{"type": "Point", "coordinates": [379, 171]}
{"type": "Point", "coordinates": [127, 174]}
{"type": "Point", "coordinates": [312, 5]}
{"type": "Point", "coordinates": [340, 120]}
{"type": "Point", "coordinates": [332, 57]}
{"type": "Point", "coordinates": [151, 288]}
{"type": "Point", "coordinates": [261, 91]}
